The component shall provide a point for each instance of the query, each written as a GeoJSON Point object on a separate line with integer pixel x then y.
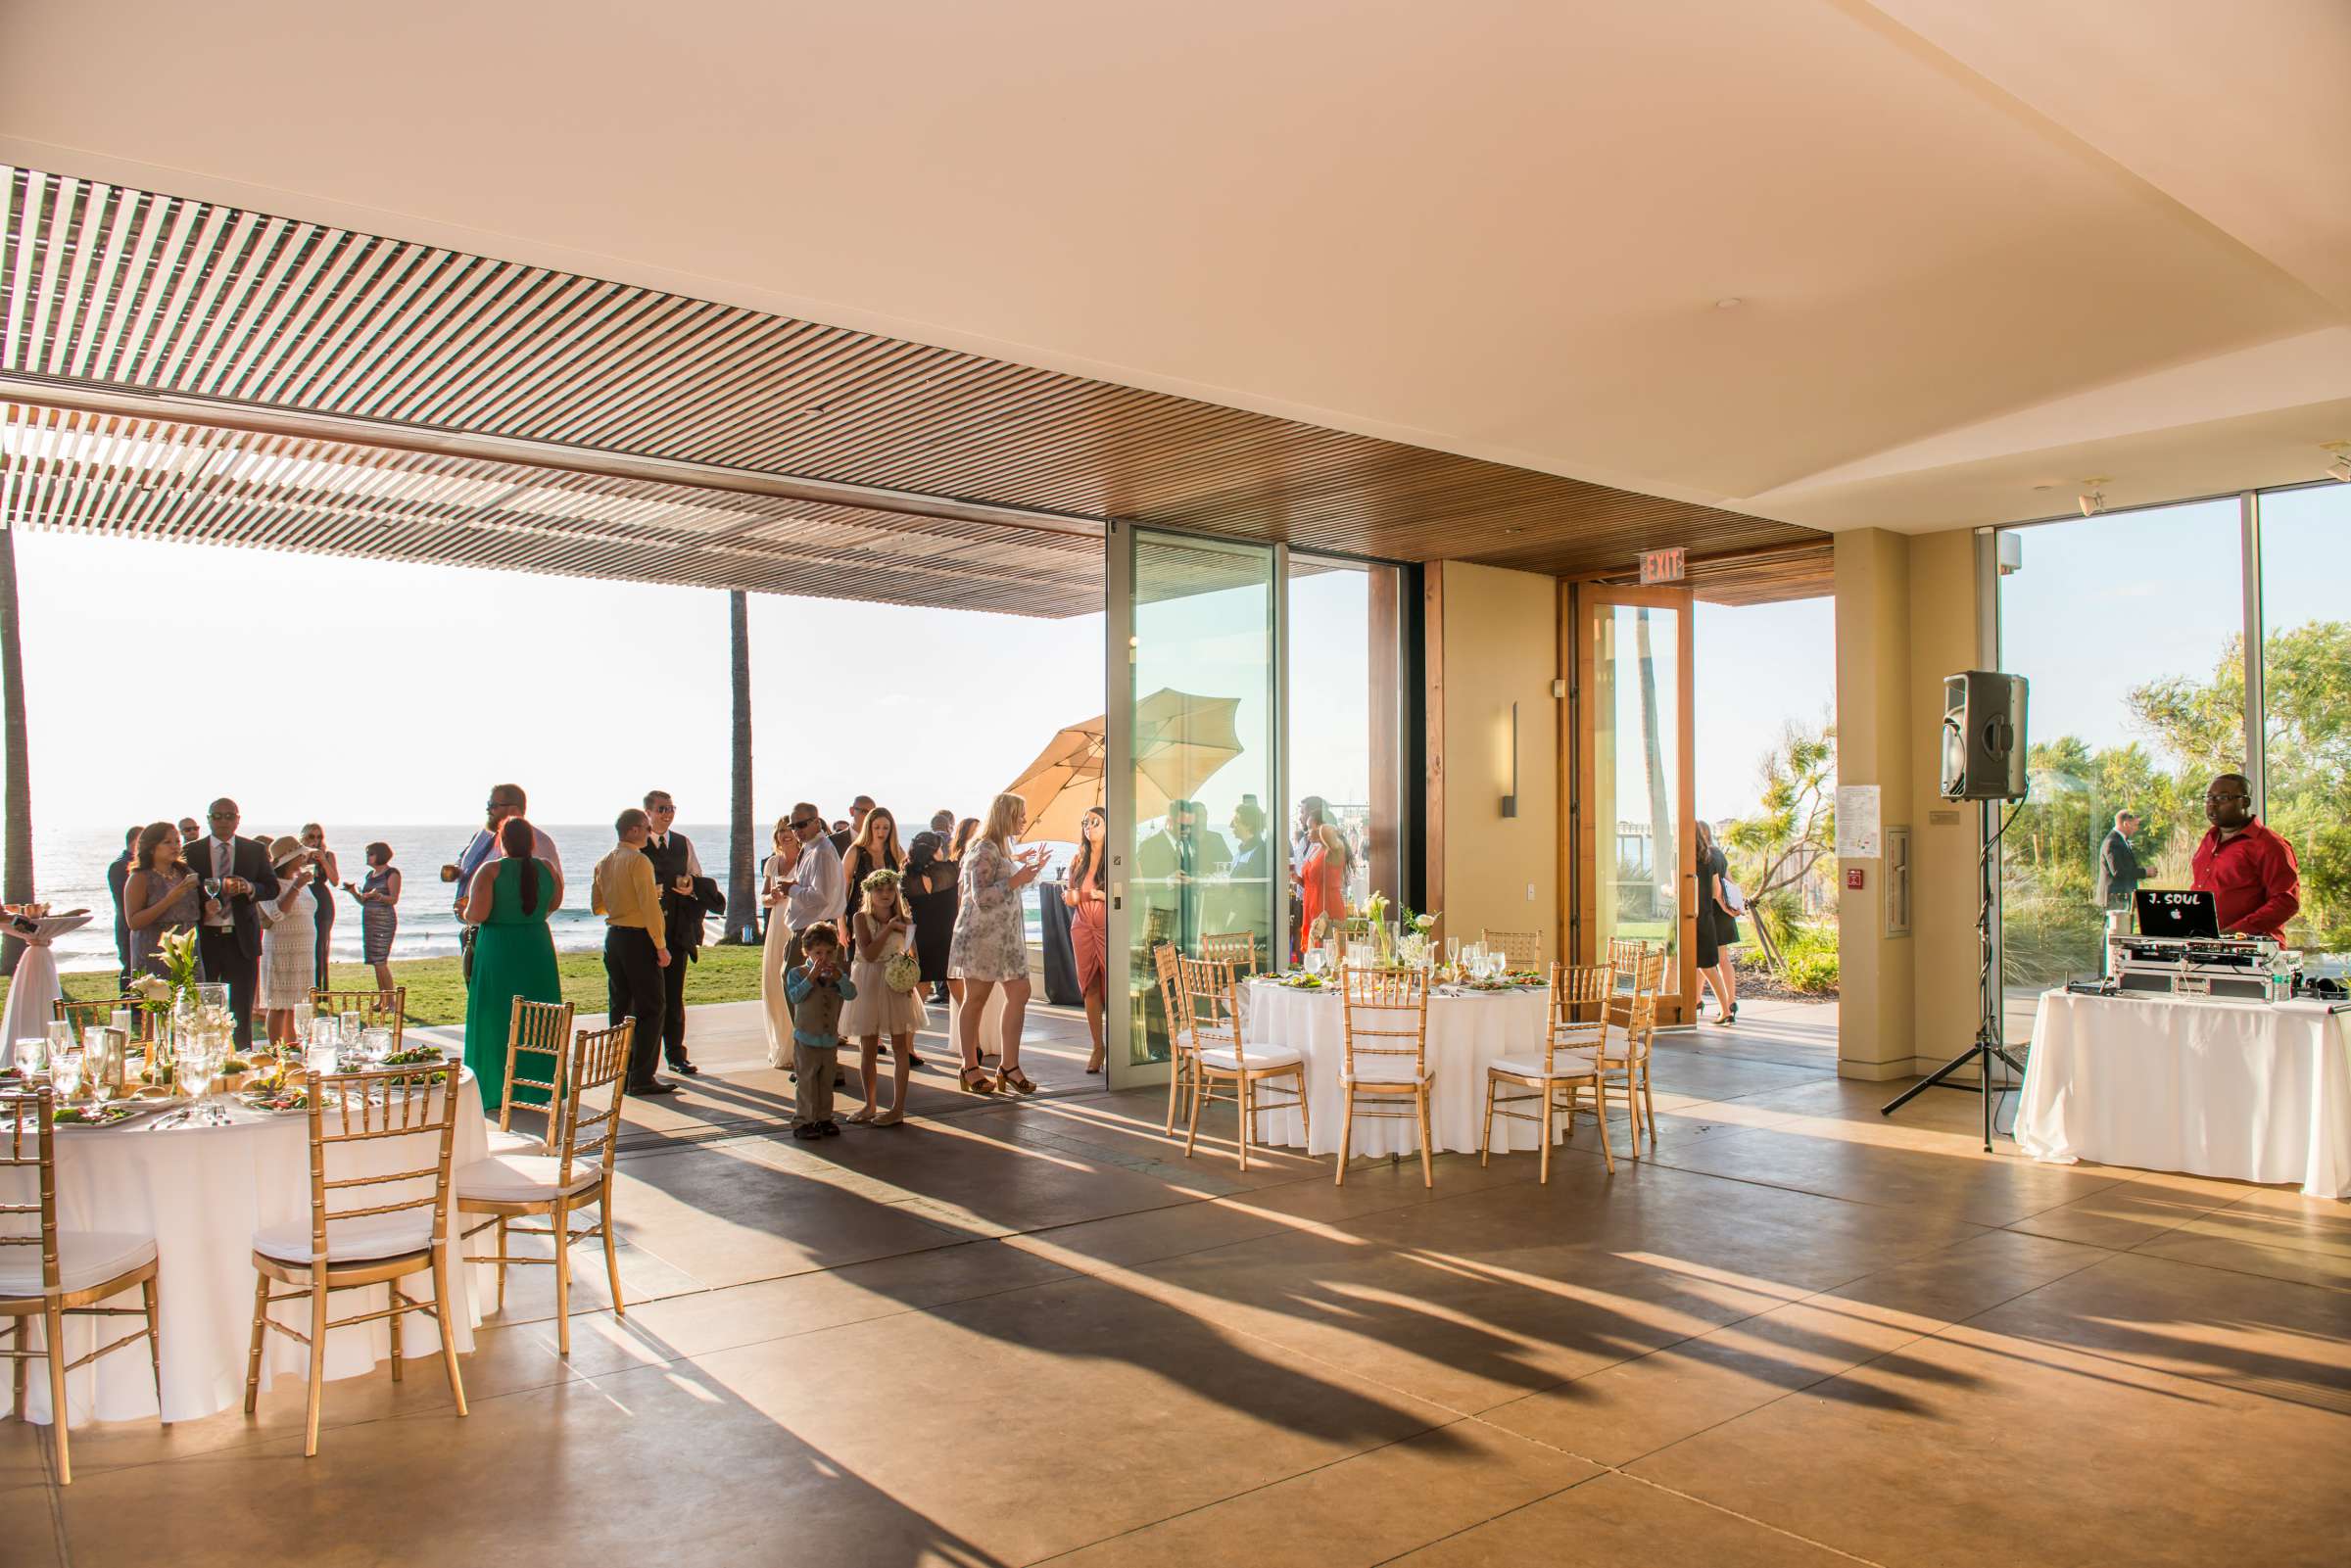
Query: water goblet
{"type": "Point", "coordinates": [61, 1036]}
{"type": "Point", "coordinates": [200, 1060]}
{"type": "Point", "coordinates": [351, 1022]}
{"type": "Point", "coordinates": [375, 1044]}
{"type": "Point", "coordinates": [32, 1055]}
{"type": "Point", "coordinates": [64, 1076]}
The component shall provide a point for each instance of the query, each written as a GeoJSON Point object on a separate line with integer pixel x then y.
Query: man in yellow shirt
{"type": "Point", "coordinates": [635, 946]}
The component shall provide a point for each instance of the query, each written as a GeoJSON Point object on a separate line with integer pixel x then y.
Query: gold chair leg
{"type": "Point", "coordinates": [1191, 1134]}
{"type": "Point", "coordinates": [1649, 1101]}
{"type": "Point", "coordinates": [394, 1300]}
{"type": "Point", "coordinates": [1550, 1103]}
{"type": "Point", "coordinates": [1305, 1118]}
{"type": "Point", "coordinates": [1248, 1104]}
{"type": "Point", "coordinates": [501, 1263]}
{"type": "Point", "coordinates": [562, 1227]}
{"type": "Point", "coordinates": [252, 1357]}
{"type": "Point", "coordinates": [318, 1378]}
{"type": "Point", "coordinates": [155, 1343]}
{"type": "Point", "coordinates": [1174, 1087]}
{"type": "Point", "coordinates": [18, 1333]}
{"type": "Point", "coordinates": [1600, 1098]}
{"type": "Point", "coordinates": [1346, 1134]}
{"type": "Point", "coordinates": [441, 1322]}
{"type": "Point", "coordinates": [1428, 1169]}
{"type": "Point", "coordinates": [603, 1220]}
{"type": "Point", "coordinates": [1485, 1139]}
{"type": "Point", "coordinates": [53, 1326]}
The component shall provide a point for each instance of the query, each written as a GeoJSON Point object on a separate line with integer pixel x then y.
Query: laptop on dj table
{"type": "Point", "coordinates": [2177, 912]}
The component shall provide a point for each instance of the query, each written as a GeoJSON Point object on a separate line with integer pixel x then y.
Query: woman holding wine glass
{"type": "Point", "coordinates": [378, 898]}
{"type": "Point", "coordinates": [159, 896]}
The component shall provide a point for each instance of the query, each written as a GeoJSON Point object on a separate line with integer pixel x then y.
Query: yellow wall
{"type": "Point", "coordinates": [1501, 642]}
{"type": "Point", "coordinates": [1906, 618]}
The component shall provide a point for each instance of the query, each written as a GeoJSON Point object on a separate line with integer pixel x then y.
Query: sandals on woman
{"type": "Point", "coordinates": [1014, 1079]}
{"type": "Point", "coordinates": [978, 1080]}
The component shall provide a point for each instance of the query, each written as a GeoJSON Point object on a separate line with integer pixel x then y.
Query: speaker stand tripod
{"type": "Point", "coordinates": [1989, 1043]}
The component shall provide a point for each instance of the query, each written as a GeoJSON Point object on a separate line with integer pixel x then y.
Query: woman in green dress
{"type": "Point", "coordinates": [513, 955]}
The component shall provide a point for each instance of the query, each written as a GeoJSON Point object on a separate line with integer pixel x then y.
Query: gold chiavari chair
{"type": "Point", "coordinates": [537, 1030]}
{"type": "Point", "coordinates": [1382, 1009]}
{"type": "Point", "coordinates": [576, 1175]}
{"type": "Point", "coordinates": [1211, 1001]}
{"type": "Point", "coordinates": [1572, 1041]}
{"type": "Point", "coordinates": [1181, 1064]}
{"type": "Point", "coordinates": [1624, 956]}
{"type": "Point", "coordinates": [1521, 949]}
{"type": "Point", "coordinates": [1624, 1053]}
{"type": "Point", "coordinates": [377, 1009]}
{"type": "Point", "coordinates": [359, 1118]}
{"type": "Point", "coordinates": [71, 1272]}
{"type": "Point", "coordinates": [1237, 948]}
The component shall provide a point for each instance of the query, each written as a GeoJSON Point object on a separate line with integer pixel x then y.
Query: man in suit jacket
{"type": "Point", "coordinates": [687, 896]}
{"type": "Point", "coordinates": [118, 877]}
{"type": "Point", "coordinates": [228, 939]}
{"type": "Point", "coordinates": [2119, 870]}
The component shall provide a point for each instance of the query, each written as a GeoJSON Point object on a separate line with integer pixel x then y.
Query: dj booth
{"type": "Point", "coordinates": [2193, 1054]}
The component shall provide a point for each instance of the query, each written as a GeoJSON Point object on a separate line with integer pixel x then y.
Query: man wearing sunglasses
{"type": "Point", "coordinates": [2255, 884]}
{"type": "Point", "coordinates": [506, 800]}
{"type": "Point", "coordinates": [819, 895]}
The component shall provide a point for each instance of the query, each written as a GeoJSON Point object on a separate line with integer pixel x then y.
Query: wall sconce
{"type": "Point", "coordinates": [1510, 802]}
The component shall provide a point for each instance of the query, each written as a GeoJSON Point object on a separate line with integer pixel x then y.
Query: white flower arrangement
{"type": "Point", "coordinates": [902, 974]}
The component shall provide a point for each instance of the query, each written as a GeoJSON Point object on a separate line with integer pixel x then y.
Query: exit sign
{"type": "Point", "coordinates": [1664, 565]}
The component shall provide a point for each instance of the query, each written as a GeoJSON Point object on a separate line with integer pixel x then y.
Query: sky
{"type": "Point", "coordinates": [161, 675]}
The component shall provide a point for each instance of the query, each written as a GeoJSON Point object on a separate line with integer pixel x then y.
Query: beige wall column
{"type": "Point", "coordinates": [1494, 639]}
{"type": "Point", "coordinates": [1906, 618]}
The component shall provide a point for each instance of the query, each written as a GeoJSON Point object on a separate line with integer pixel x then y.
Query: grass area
{"type": "Point", "coordinates": [437, 991]}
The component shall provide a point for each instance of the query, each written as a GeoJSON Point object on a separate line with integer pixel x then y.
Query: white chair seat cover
{"type": "Point", "coordinates": [1266, 1056]}
{"type": "Point", "coordinates": [349, 1241]}
{"type": "Point", "coordinates": [84, 1258]}
{"type": "Point", "coordinates": [523, 1179]}
{"type": "Point", "coordinates": [1564, 1065]}
{"type": "Point", "coordinates": [514, 1143]}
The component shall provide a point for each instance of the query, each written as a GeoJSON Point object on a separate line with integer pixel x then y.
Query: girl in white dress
{"type": "Point", "coordinates": [885, 930]}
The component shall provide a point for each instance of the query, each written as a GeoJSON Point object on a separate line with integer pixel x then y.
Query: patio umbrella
{"type": "Point", "coordinates": [1183, 739]}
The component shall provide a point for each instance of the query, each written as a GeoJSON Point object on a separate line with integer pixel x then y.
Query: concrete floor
{"type": "Point", "coordinates": [1797, 1334]}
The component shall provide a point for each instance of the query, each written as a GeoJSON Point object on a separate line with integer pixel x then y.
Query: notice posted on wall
{"type": "Point", "coordinates": [1859, 834]}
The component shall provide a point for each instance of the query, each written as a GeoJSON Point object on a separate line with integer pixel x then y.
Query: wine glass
{"type": "Point", "coordinates": [61, 1037]}
{"type": "Point", "coordinates": [32, 1055]}
{"type": "Point", "coordinates": [200, 1060]}
{"type": "Point", "coordinates": [64, 1076]}
{"type": "Point", "coordinates": [375, 1044]}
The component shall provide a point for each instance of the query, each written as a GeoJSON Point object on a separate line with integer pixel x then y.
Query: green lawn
{"type": "Point", "coordinates": [437, 994]}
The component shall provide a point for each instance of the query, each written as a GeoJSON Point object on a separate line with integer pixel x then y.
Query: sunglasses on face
{"type": "Point", "coordinates": [801, 824]}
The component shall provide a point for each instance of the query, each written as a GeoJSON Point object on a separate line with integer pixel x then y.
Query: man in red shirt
{"type": "Point", "coordinates": [2249, 869]}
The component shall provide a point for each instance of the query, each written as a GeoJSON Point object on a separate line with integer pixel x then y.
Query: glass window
{"type": "Point", "coordinates": [1346, 726]}
{"type": "Point", "coordinates": [1203, 755]}
{"type": "Point", "coordinates": [2131, 629]}
{"type": "Point", "coordinates": [2306, 692]}
{"type": "Point", "coordinates": [1636, 688]}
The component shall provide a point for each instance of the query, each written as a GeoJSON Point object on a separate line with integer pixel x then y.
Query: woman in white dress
{"type": "Point", "coordinates": [885, 930]}
{"type": "Point", "coordinates": [289, 939]}
{"type": "Point", "coordinates": [990, 947]}
{"type": "Point", "coordinates": [772, 891]}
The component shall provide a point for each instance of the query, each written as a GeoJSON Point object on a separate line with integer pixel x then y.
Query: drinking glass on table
{"type": "Point", "coordinates": [61, 1036]}
{"type": "Point", "coordinates": [64, 1076]}
{"type": "Point", "coordinates": [352, 1021]}
{"type": "Point", "coordinates": [375, 1044]}
{"type": "Point", "coordinates": [33, 1055]}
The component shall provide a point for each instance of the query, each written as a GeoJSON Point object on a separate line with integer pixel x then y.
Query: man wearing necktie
{"type": "Point", "coordinates": [236, 874]}
{"type": "Point", "coordinates": [687, 896]}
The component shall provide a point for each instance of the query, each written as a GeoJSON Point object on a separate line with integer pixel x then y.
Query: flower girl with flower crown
{"type": "Point", "coordinates": [888, 1001]}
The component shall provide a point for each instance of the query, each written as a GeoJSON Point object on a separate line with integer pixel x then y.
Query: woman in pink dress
{"type": "Point", "coordinates": [1089, 925]}
{"type": "Point", "coordinates": [1322, 876]}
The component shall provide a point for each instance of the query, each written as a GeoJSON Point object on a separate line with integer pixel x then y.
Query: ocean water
{"type": "Point", "coordinates": [70, 872]}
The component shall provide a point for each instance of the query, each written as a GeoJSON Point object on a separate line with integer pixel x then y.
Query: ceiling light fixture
{"type": "Point", "coordinates": [1731, 304]}
{"type": "Point", "coordinates": [2092, 500]}
{"type": "Point", "coordinates": [2340, 468]}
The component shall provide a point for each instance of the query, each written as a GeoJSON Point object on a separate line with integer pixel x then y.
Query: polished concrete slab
{"type": "Point", "coordinates": [1793, 1333]}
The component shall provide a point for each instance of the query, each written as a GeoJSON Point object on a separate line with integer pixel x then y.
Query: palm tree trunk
{"type": "Point", "coordinates": [743, 907]}
{"type": "Point", "coordinates": [16, 883]}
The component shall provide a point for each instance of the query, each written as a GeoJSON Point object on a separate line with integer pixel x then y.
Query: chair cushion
{"type": "Point", "coordinates": [1266, 1056]}
{"type": "Point", "coordinates": [522, 1178]}
{"type": "Point", "coordinates": [1564, 1065]}
{"type": "Point", "coordinates": [84, 1258]}
{"type": "Point", "coordinates": [514, 1143]}
{"type": "Point", "coordinates": [349, 1241]}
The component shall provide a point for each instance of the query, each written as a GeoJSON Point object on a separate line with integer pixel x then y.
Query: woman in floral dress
{"type": "Point", "coordinates": [990, 947]}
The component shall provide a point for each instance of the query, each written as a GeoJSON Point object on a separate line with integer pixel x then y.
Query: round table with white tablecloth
{"type": "Point", "coordinates": [1466, 1033]}
{"type": "Point", "coordinates": [201, 1192]}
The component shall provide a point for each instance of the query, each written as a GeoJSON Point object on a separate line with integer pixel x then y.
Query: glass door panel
{"type": "Point", "coordinates": [1200, 758]}
{"type": "Point", "coordinates": [1633, 775]}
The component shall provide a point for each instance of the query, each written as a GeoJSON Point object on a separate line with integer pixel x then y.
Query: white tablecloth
{"type": "Point", "coordinates": [2214, 1088]}
{"type": "Point", "coordinates": [203, 1191]}
{"type": "Point", "coordinates": [1465, 1034]}
{"type": "Point", "coordinates": [33, 991]}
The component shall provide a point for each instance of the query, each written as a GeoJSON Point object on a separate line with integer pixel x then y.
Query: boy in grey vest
{"type": "Point", "coordinates": [817, 987]}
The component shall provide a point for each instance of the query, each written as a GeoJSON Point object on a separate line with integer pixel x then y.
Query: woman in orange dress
{"type": "Point", "coordinates": [1089, 925]}
{"type": "Point", "coordinates": [1322, 876]}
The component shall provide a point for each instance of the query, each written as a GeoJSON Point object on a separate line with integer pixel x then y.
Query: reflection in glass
{"type": "Point", "coordinates": [2131, 629]}
{"type": "Point", "coordinates": [1636, 773]}
{"type": "Point", "coordinates": [1202, 757]}
{"type": "Point", "coordinates": [2306, 711]}
{"type": "Point", "coordinates": [1345, 728]}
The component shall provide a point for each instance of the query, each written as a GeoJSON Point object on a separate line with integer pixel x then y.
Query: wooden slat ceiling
{"type": "Point", "coordinates": [111, 286]}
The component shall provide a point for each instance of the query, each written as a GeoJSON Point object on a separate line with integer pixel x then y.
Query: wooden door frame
{"type": "Point", "coordinates": [1578, 845]}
